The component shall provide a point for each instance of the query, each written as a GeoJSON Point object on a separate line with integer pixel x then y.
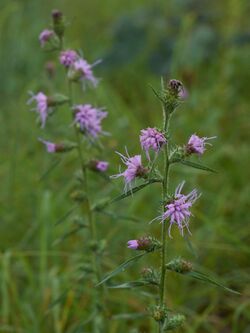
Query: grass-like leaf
{"type": "Point", "coordinates": [195, 165]}
{"type": "Point", "coordinates": [206, 278]}
{"type": "Point", "coordinates": [134, 190]}
{"type": "Point", "coordinates": [122, 267]}
{"type": "Point", "coordinates": [132, 284]}
{"type": "Point", "coordinates": [128, 316]}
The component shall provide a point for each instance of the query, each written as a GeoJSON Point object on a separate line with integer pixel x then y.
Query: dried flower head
{"type": "Point", "coordinates": [176, 87]}
{"type": "Point", "coordinates": [41, 106]}
{"type": "Point", "coordinates": [151, 138]}
{"type": "Point", "coordinates": [134, 169]}
{"type": "Point", "coordinates": [178, 210]}
{"type": "Point", "coordinates": [196, 145]}
{"type": "Point", "coordinates": [89, 118]}
{"type": "Point", "coordinates": [45, 36]}
{"type": "Point", "coordinates": [68, 57]}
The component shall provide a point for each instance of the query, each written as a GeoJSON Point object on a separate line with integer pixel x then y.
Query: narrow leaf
{"type": "Point", "coordinates": [132, 284]}
{"type": "Point", "coordinates": [129, 316]}
{"type": "Point", "coordinates": [195, 165]}
{"type": "Point", "coordinates": [65, 216]}
{"type": "Point", "coordinates": [70, 233]}
{"type": "Point", "coordinates": [121, 267]}
{"type": "Point", "coordinates": [206, 278]}
{"type": "Point", "coordinates": [51, 168]}
{"type": "Point", "coordinates": [134, 190]}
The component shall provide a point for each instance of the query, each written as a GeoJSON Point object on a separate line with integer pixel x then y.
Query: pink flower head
{"type": "Point", "coordinates": [89, 119]}
{"type": "Point", "coordinates": [102, 166]}
{"type": "Point", "coordinates": [151, 138]}
{"type": "Point", "coordinates": [178, 211]}
{"type": "Point", "coordinates": [196, 145]}
{"type": "Point", "coordinates": [133, 244]}
{"type": "Point", "coordinates": [45, 36]}
{"type": "Point", "coordinates": [50, 146]}
{"type": "Point", "coordinates": [85, 70]}
{"type": "Point", "coordinates": [134, 169]}
{"type": "Point", "coordinates": [68, 57]}
{"type": "Point", "coordinates": [41, 106]}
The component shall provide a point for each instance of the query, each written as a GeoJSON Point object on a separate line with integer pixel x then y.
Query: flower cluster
{"type": "Point", "coordinates": [196, 145]}
{"type": "Point", "coordinates": [89, 118]}
{"type": "Point", "coordinates": [151, 138]}
{"type": "Point", "coordinates": [68, 57]}
{"type": "Point", "coordinates": [178, 210]}
{"type": "Point", "coordinates": [41, 106]}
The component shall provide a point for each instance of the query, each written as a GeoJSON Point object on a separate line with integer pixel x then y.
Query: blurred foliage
{"type": "Point", "coordinates": [206, 44]}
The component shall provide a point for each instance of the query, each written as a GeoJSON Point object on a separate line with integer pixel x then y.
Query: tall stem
{"type": "Point", "coordinates": [165, 189]}
{"type": "Point", "coordinates": [87, 202]}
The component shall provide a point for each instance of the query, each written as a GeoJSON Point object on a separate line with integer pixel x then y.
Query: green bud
{"type": "Point", "coordinates": [179, 265]}
{"type": "Point", "coordinates": [173, 321]}
{"type": "Point", "coordinates": [151, 275]}
{"type": "Point", "coordinates": [58, 22]}
{"type": "Point", "coordinates": [78, 196]}
{"type": "Point", "coordinates": [148, 244]}
{"type": "Point", "coordinates": [159, 313]}
{"type": "Point", "coordinates": [57, 99]}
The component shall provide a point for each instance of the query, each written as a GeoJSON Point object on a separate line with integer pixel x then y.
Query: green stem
{"type": "Point", "coordinates": [165, 189]}
{"type": "Point", "coordinates": [87, 202]}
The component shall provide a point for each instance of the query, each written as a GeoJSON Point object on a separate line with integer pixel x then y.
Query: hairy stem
{"type": "Point", "coordinates": [165, 188]}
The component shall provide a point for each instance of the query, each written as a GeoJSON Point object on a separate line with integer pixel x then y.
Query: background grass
{"type": "Point", "coordinates": [207, 46]}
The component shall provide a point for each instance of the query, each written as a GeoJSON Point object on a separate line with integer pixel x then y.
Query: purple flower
{"type": "Point", "coordinates": [68, 57]}
{"type": "Point", "coordinates": [178, 210]}
{"type": "Point", "coordinates": [134, 169]}
{"type": "Point", "coordinates": [45, 36]}
{"type": "Point", "coordinates": [102, 166]}
{"type": "Point", "coordinates": [50, 146]}
{"type": "Point", "coordinates": [89, 119]}
{"type": "Point", "coordinates": [84, 69]}
{"type": "Point", "coordinates": [133, 244]}
{"type": "Point", "coordinates": [41, 106]}
{"type": "Point", "coordinates": [196, 145]}
{"type": "Point", "coordinates": [151, 138]}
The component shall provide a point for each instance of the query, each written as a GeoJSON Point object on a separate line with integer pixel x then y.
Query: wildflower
{"type": "Point", "coordinates": [179, 209]}
{"type": "Point", "coordinates": [134, 169]}
{"type": "Point", "coordinates": [50, 146]}
{"type": "Point", "coordinates": [196, 145]}
{"type": "Point", "coordinates": [147, 243]}
{"type": "Point", "coordinates": [89, 119]}
{"type": "Point", "coordinates": [68, 57]}
{"type": "Point", "coordinates": [45, 36]}
{"type": "Point", "coordinates": [41, 106]}
{"type": "Point", "coordinates": [102, 166]}
{"type": "Point", "coordinates": [133, 244]}
{"type": "Point", "coordinates": [151, 138]}
{"type": "Point", "coordinates": [82, 70]}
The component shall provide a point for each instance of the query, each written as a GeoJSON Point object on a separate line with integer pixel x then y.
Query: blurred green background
{"type": "Point", "coordinates": [206, 45]}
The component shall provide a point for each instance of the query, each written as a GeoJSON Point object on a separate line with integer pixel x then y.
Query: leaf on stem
{"type": "Point", "coordinates": [133, 284]}
{"type": "Point", "coordinates": [195, 165]}
{"type": "Point", "coordinates": [121, 267]}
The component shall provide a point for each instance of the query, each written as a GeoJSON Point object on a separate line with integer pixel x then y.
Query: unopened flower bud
{"type": "Point", "coordinates": [57, 99]}
{"type": "Point", "coordinates": [148, 244]}
{"type": "Point", "coordinates": [78, 196]}
{"type": "Point", "coordinates": [151, 275]}
{"type": "Point", "coordinates": [58, 22]}
{"type": "Point", "coordinates": [173, 321]}
{"type": "Point", "coordinates": [180, 266]}
{"type": "Point", "coordinates": [176, 87]}
{"type": "Point", "coordinates": [99, 166]}
{"type": "Point", "coordinates": [159, 313]}
{"type": "Point", "coordinates": [58, 147]}
{"type": "Point", "coordinates": [50, 69]}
